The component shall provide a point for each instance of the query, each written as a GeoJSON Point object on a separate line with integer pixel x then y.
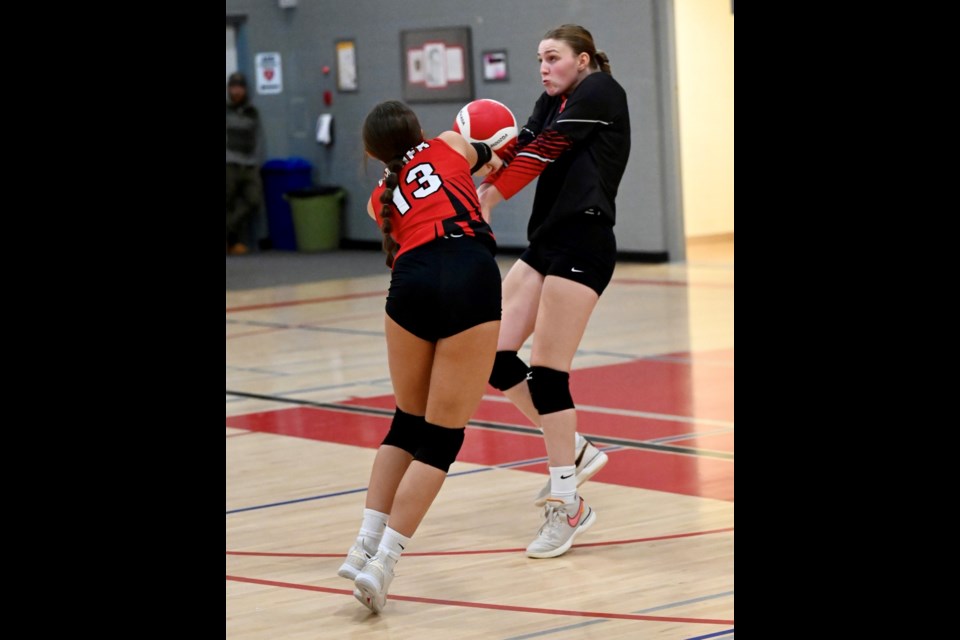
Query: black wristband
{"type": "Point", "coordinates": [483, 155]}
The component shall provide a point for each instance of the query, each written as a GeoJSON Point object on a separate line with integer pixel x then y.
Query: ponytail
{"type": "Point", "coordinates": [388, 131]}
{"type": "Point", "coordinates": [603, 61]}
{"type": "Point", "coordinates": [386, 198]}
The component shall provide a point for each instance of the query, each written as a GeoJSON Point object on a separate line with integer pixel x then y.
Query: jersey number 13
{"type": "Point", "coordinates": [429, 183]}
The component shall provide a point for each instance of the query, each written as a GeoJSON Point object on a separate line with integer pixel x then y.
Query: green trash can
{"type": "Point", "coordinates": [316, 217]}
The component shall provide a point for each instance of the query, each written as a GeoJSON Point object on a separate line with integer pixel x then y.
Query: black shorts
{"type": "Point", "coordinates": [582, 249]}
{"type": "Point", "coordinates": [444, 287]}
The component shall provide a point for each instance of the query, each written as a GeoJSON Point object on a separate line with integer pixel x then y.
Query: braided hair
{"type": "Point", "coordinates": [581, 41]}
{"type": "Point", "coordinates": [391, 128]}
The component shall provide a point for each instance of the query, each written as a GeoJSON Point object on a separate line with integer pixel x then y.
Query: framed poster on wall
{"type": "Point", "coordinates": [346, 65]}
{"type": "Point", "coordinates": [495, 66]}
{"type": "Point", "coordinates": [436, 65]}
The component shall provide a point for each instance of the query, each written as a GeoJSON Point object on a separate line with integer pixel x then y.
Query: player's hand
{"type": "Point", "coordinates": [489, 198]}
{"type": "Point", "coordinates": [507, 152]}
{"type": "Point", "coordinates": [491, 167]}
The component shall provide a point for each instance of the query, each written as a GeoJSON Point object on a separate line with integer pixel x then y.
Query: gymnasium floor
{"type": "Point", "coordinates": [309, 399]}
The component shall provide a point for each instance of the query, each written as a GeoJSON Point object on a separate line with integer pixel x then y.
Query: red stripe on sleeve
{"type": "Point", "coordinates": [530, 162]}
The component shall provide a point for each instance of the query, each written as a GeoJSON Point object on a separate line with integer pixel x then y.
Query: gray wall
{"type": "Point", "coordinates": [637, 35]}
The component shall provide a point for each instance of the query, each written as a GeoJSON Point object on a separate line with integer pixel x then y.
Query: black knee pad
{"type": "Point", "coordinates": [508, 370]}
{"type": "Point", "coordinates": [440, 446]}
{"type": "Point", "coordinates": [550, 390]}
{"type": "Point", "coordinates": [406, 431]}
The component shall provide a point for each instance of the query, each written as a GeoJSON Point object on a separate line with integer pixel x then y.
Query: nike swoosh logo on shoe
{"type": "Point", "coordinates": [580, 457]}
{"type": "Point", "coordinates": [573, 522]}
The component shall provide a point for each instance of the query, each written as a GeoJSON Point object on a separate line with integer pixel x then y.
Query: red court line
{"type": "Point", "coordinates": [608, 543]}
{"type": "Point", "coordinates": [673, 473]}
{"type": "Point", "coordinates": [480, 446]}
{"type": "Point", "coordinates": [483, 605]}
{"type": "Point", "coordinates": [696, 390]}
{"type": "Point", "coordinates": [691, 390]}
{"type": "Point", "coordinates": [317, 424]}
{"type": "Point", "coordinates": [589, 423]}
{"type": "Point", "coordinates": [293, 303]}
{"type": "Point", "coordinates": [655, 386]}
{"type": "Point", "coordinates": [687, 475]}
{"type": "Point", "coordinates": [660, 471]}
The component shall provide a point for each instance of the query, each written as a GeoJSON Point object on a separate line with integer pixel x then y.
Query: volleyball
{"type": "Point", "coordinates": [486, 121]}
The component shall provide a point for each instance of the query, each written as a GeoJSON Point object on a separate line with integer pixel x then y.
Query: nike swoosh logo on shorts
{"type": "Point", "coordinates": [456, 235]}
{"type": "Point", "coordinates": [575, 270]}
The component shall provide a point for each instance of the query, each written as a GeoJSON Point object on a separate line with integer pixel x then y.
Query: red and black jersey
{"type": "Point", "coordinates": [435, 198]}
{"type": "Point", "coordinates": [578, 146]}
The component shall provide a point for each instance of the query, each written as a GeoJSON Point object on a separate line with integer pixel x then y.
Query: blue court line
{"type": "Point", "coordinates": [505, 465]}
{"type": "Point", "coordinates": [508, 465]}
{"type": "Point", "coordinates": [713, 635]}
{"type": "Point", "coordinates": [349, 491]}
{"type": "Point", "coordinates": [286, 502]}
{"type": "Point", "coordinates": [537, 634]}
{"type": "Point", "coordinates": [652, 443]}
{"type": "Point", "coordinates": [685, 602]}
{"type": "Point", "coordinates": [671, 605]}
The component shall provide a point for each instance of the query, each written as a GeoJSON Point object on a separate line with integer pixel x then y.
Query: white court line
{"type": "Point", "coordinates": [634, 414]}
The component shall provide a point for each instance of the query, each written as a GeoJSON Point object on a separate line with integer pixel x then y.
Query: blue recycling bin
{"type": "Point", "coordinates": [279, 177]}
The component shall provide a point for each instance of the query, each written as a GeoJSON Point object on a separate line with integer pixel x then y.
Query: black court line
{"type": "Point", "coordinates": [499, 426]}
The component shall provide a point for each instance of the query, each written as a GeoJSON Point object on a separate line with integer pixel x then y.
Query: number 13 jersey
{"type": "Point", "coordinates": [435, 199]}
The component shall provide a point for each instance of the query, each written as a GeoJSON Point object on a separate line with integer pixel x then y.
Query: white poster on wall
{"type": "Point", "coordinates": [231, 52]}
{"type": "Point", "coordinates": [269, 73]}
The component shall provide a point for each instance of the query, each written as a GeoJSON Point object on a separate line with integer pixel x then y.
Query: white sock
{"type": "Point", "coordinates": [371, 530]}
{"type": "Point", "coordinates": [563, 483]}
{"type": "Point", "coordinates": [391, 546]}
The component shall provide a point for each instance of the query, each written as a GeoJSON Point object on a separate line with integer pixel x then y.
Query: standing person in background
{"type": "Point", "coordinates": [577, 142]}
{"type": "Point", "coordinates": [245, 155]}
{"type": "Point", "coordinates": [442, 321]}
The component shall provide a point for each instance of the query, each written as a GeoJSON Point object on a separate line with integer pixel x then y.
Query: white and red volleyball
{"type": "Point", "coordinates": [486, 121]}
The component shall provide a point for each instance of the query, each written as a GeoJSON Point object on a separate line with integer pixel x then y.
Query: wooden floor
{"type": "Point", "coordinates": [309, 399]}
